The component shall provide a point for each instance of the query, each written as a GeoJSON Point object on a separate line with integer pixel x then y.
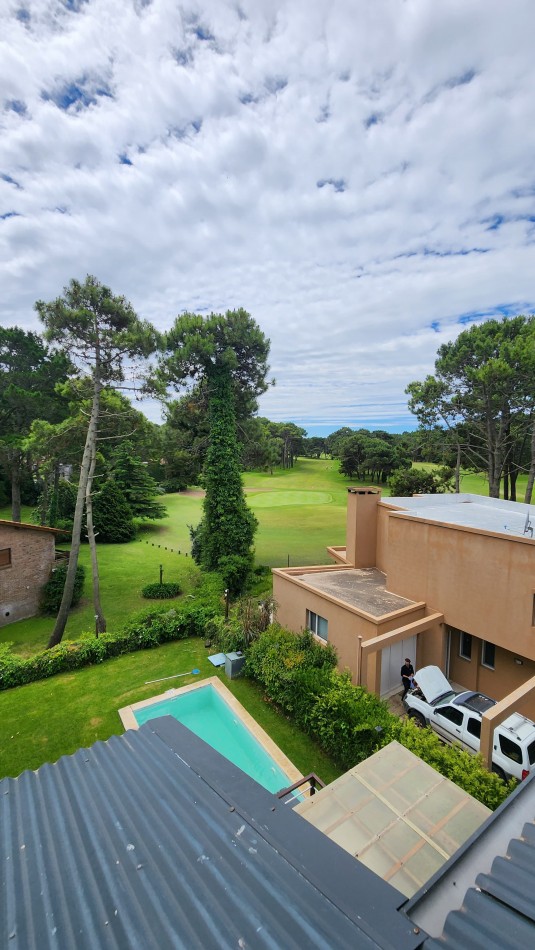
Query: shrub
{"type": "Point", "coordinates": [297, 674]}
{"type": "Point", "coordinates": [227, 636]}
{"type": "Point", "coordinates": [145, 629]}
{"type": "Point", "coordinates": [171, 485]}
{"type": "Point", "coordinates": [52, 591]}
{"type": "Point", "coordinates": [163, 591]}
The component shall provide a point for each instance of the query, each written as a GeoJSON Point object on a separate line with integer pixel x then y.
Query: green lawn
{"type": "Point", "coordinates": [44, 720]}
{"type": "Point", "coordinates": [124, 570]}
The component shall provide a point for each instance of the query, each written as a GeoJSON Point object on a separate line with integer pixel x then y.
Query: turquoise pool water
{"type": "Point", "coordinates": [208, 715]}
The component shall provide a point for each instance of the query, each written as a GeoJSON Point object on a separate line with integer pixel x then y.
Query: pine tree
{"type": "Point", "coordinates": [112, 516]}
{"type": "Point", "coordinates": [137, 486]}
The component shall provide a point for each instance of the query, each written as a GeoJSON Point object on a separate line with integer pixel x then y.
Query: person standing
{"type": "Point", "coordinates": [407, 673]}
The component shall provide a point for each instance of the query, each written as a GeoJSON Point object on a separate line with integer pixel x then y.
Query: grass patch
{"type": "Point", "coordinates": [124, 570]}
{"type": "Point", "coordinates": [42, 721]}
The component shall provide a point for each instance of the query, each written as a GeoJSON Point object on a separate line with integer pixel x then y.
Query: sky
{"type": "Point", "coordinates": [359, 176]}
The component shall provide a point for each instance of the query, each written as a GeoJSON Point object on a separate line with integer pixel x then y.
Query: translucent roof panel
{"type": "Point", "coordinates": [396, 815]}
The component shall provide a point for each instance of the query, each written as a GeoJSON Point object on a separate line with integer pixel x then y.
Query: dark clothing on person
{"type": "Point", "coordinates": [407, 673]}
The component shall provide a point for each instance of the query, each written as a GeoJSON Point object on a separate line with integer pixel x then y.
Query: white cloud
{"type": "Point", "coordinates": [336, 168]}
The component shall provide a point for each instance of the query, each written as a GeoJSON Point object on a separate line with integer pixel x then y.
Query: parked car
{"type": "Point", "coordinates": [456, 718]}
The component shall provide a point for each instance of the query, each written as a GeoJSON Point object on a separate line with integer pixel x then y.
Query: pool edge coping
{"type": "Point", "coordinates": [128, 719]}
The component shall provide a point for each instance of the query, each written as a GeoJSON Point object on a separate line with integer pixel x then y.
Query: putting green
{"type": "Point", "coordinates": [294, 499]}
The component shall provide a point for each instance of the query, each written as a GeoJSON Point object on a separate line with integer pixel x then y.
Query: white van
{"type": "Point", "coordinates": [456, 717]}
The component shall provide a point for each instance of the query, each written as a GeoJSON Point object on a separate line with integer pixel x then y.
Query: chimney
{"type": "Point", "coordinates": [361, 531]}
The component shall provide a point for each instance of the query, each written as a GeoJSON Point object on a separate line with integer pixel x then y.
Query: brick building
{"type": "Point", "coordinates": [27, 555]}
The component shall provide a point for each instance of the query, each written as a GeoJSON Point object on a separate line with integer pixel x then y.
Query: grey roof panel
{"type": "Point", "coordinates": [154, 840]}
{"type": "Point", "coordinates": [500, 911]}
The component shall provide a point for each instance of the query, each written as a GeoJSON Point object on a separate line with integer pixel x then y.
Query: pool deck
{"type": "Point", "coordinates": [128, 719]}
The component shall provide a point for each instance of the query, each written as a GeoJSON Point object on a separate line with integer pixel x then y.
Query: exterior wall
{"type": "Point", "coordinates": [346, 624]}
{"type": "Point", "coordinates": [498, 683]}
{"type": "Point", "coordinates": [32, 558]}
{"type": "Point", "coordinates": [483, 584]}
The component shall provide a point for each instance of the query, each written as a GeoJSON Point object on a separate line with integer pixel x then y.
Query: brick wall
{"type": "Point", "coordinates": [32, 559]}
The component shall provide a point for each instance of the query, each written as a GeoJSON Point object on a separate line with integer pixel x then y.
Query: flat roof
{"type": "Point", "coordinates": [364, 588]}
{"type": "Point", "coordinates": [471, 511]}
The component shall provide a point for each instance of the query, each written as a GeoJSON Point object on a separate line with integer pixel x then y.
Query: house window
{"type": "Point", "coordinates": [488, 651]}
{"type": "Point", "coordinates": [317, 624]}
{"type": "Point", "coordinates": [5, 557]}
{"type": "Point", "coordinates": [465, 646]}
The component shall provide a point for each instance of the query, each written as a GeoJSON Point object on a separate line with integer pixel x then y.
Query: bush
{"type": "Point", "coordinates": [172, 485]}
{"type": "Point", "coordinates": [143, 630]}
{"type": "Point", "coordinates": [52, 591]}
{"type": "Point", "coordinates": [163, 591]}
{"type": "Point", "coordinates": [415, 481]}
{"type": "Point", "coordinates": [297, 674]}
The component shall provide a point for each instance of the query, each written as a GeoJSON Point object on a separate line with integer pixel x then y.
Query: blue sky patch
{"type": "Point", "coordinates": [182, 56]}
{"type": "Point", "coordinates": [124, 160]}
{"type": "Point", "coordinates": [9, 214]}
{"type": "Point", "coordinates": [275, 84]}
{"type": "Point", "coordinates": [16, 105]}
{"type": "Point", "coordinates": [373, 119]}
{"type": "Point", "coordinates": [337, 183]}
{"type": "Point", "coordinates": [463, 80]}
{"type": "Point", "coordinates": [79, 94]}
{"type": "Point", "coordinates": [10, 180]}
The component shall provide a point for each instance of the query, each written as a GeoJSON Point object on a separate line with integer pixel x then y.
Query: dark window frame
{"type": "Point", "coordinates": [465, 655]}
{"type": "Point", "coordinates": [484, 662]}
{"type": "Point", "coordinates": [314, 624]}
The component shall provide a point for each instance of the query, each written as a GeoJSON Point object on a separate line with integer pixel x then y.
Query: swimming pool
{"type": "Point", "coordinates": [210, 710]}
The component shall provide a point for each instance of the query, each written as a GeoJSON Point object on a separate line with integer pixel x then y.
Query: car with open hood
{"type": "Point", "coordinates": [456, 718]}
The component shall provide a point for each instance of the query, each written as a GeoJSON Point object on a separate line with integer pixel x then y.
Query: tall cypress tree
{"type": "Point", "coordinates": [228, 352]}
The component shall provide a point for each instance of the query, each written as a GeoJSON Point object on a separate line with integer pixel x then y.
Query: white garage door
{"type": "Point", "coordinates": [392, 660]}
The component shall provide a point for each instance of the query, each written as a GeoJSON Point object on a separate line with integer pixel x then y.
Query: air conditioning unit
{"type": "Point", "coordinates": [234, 664]}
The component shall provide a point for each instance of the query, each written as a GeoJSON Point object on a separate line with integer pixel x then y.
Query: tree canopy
{"type": "Point", "coordinates": [29, 376]}
{"type": "Point", "coordinates": [103, 336]}
{"type": "Point", "coordinates": [484, 381]}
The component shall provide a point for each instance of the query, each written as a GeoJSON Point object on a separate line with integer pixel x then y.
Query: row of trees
{"type": "Point", "coordinates": [63, 398]}
{"type": "Point", "coordinates": [480, 402]}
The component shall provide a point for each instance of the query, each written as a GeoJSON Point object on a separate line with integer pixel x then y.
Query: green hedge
{"type": "Point", "coordinates": [163, 591]}
{"type": "Point", "coordinates": [348, 722]}
{"type": "Point", "coordinates": [144, 630]}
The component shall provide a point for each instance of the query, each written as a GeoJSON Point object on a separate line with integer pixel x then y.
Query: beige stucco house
{"type": "Point", "coordinates": [27, 556]}
{"type": "Point", "coordinates": [442, 579]}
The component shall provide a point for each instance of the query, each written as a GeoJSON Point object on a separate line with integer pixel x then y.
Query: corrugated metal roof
{"type": "Point", "coordinates": [499, 912]}
{"type": "Point", "coordinates": [154, 840]}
